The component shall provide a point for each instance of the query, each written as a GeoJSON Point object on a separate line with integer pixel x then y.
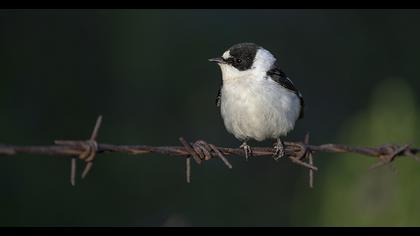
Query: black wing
{"type": "Point", "coordinates": [280, 77]}
{"type": "Point", "coordinates": [219, 94]}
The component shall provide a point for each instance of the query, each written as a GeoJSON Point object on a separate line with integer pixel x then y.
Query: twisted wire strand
{"type": "Point", "coordinates": [301, 153]}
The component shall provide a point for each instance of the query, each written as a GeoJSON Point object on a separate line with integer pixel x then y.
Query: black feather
{"type": "Point", "coordinates": [280, 77]}
{"type": "Point", "coordinates": [219, 94]}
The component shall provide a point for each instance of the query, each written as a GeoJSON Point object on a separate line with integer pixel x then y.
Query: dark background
{"type": "Point", "coordinates": [146, 72]}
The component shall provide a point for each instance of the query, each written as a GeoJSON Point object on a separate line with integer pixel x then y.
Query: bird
{"type": "Point", "coordinates": [257, 99]}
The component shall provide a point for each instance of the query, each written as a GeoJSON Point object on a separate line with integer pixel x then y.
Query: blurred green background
{"type": "Point", "coordinates": [146, 72]}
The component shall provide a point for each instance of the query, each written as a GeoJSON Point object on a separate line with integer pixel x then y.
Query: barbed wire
{"type": "Point", "coordinates": [300, 153]}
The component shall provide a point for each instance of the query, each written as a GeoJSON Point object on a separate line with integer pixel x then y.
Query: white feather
{"type": "Point", "coordinates": [253, 105]}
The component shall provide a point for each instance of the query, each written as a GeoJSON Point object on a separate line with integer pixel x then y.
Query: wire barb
{"type": "Point", "coordinates": [308, 155]}
{"type": "Point", "coordinates": [73, 172]}
{"type": "Point", "coordinates": [190, 150]}
{"type": "Point", "coordinates": [220, 155]}
{"type": "Point", "coordinates": [90, 148]}
{"type": "Point", "coordinates": [188, 169]}
{"type": "Point", "coordinates": [388, 155]}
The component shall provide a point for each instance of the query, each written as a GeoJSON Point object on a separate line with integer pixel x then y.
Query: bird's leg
{"type": "Point", "coordinates": [278, 149]}
{"type": "Point", "coordinates": [247, 149]}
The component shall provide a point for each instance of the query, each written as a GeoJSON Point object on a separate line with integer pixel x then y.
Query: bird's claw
{"type": "Point", "coordinates": [278, 150]}
{"type": "Point", "coordinates": [247, 150]}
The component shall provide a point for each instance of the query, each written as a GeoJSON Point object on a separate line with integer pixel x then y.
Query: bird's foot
{"type": "Point", "coordinates": [247, 150]}
{"type": "Point", "coordinates": [278, 150]}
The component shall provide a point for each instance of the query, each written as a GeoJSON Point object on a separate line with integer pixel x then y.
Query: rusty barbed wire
{"type": "Point", "coordinates": [300, 153]}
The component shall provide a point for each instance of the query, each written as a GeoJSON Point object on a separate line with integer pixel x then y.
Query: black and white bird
{"type": "Point", "coordinates": [257, 100]}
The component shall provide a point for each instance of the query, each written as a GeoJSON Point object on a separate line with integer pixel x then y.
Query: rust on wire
{"type": "Point", "coordinates": [298, 152]}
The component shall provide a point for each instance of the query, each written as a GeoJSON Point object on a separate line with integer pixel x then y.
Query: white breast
{"type": "Point", "coordinates": [258, 108]}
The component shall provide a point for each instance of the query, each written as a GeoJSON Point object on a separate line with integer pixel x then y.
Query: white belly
{"type": "Point", "coordinates": [258, 108]}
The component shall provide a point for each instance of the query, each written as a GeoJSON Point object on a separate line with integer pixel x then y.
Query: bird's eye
{"type": "Point", "coordinates": [238, 60]}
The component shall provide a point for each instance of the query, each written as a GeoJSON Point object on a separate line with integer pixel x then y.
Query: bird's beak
{"type": "Point", "coordinates": [218, 60]}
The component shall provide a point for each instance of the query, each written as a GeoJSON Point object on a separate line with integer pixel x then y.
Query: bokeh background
{"type": "Point", "coordinates": [146, 72]}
